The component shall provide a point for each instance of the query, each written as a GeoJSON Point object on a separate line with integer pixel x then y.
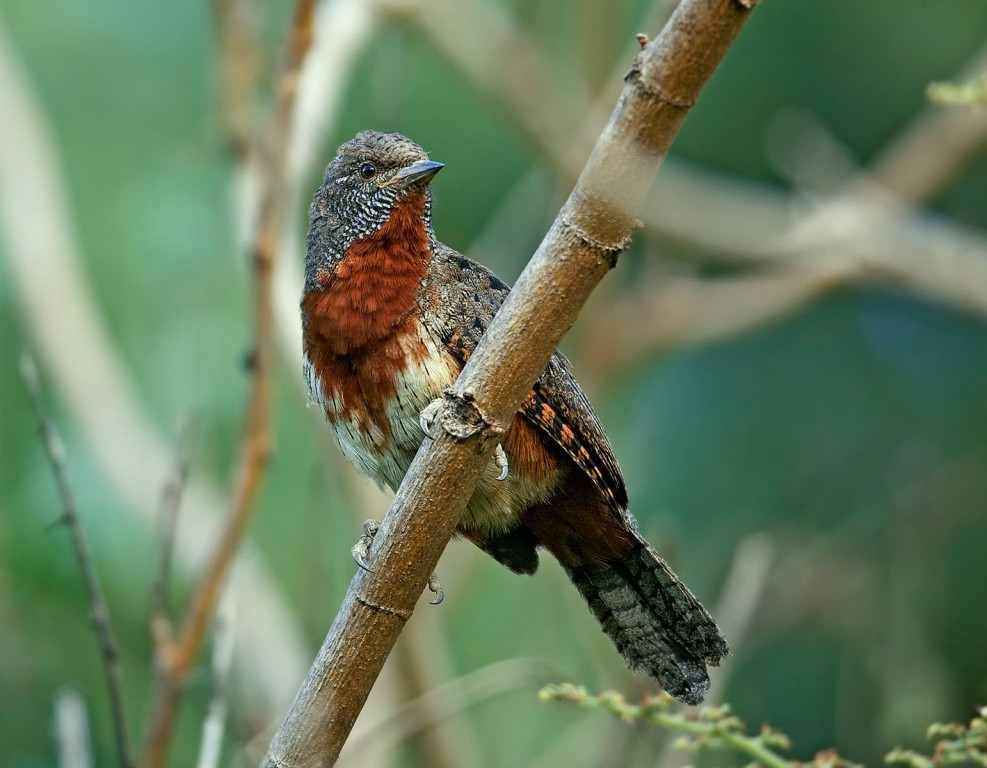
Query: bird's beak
{"type": "Point", "coordinates": [416, 173]}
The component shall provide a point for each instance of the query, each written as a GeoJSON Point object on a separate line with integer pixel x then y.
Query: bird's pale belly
{"type": "Point", "coordinates": [383, 449]}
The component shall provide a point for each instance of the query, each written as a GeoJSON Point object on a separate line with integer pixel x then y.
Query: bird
{"type": "Point", "coordinates": [390, 315]}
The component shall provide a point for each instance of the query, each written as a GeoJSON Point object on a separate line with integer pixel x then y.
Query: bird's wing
{"type": "Point", "coordinates": [469, 295]}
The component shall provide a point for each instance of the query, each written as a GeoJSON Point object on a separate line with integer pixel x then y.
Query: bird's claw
{"type": "Point", "coordinates": [500, 459]}
{"type": "Point", "coordinates": [362, 547]}
{"type": "Point", "coordinates": [427, 416]}
{"type": "Point", "coordinates": [436, 588]}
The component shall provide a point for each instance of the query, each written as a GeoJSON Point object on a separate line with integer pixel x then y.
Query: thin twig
{"type": "Point", "coordinates": [592, 229]}
{"type": "Point", "coordinates": [222, 658]}
{"type": "Point", "coordinates": [171, 499]}
{"type": "Point", "coordinates": [238, 70]}
{"type": "Point", "coordinates": [99, 612]}
{"type": "Point", "coordinates": [175, 664]}
{"type": "Point", "coordinates": [72, 730]}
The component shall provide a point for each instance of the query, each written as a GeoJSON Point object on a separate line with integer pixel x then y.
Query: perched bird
{"type": "Point", "coordinates": [390, 316]}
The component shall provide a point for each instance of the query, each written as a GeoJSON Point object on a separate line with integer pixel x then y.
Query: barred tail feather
{"type": "Point", "coordinates": [658, 626]}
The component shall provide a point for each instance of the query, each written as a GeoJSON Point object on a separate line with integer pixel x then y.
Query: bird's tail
{"type": "Point", "coordinates": [657, 624]}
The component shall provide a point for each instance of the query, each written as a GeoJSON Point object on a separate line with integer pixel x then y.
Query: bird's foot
{"type": "Point", "coordinates": [362, 547]}
{"type": "Point", "coordinates": [500, 459]}
{"type": "Point", "coordinates": [436, 589]}
{"type": "Point", "coordinates": [427, 417]}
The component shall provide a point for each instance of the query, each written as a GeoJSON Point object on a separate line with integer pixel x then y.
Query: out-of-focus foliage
{"type": "Point", "coordinates": [853, 433]}
{"type": "Point", "coordinates": [969, 93]}
{"type": "Point", "coordinates": [714, 729]}
{"type": "Point", "coordinates": [956, 744]}
{"type": "Point", "coordinates": [717, 729]}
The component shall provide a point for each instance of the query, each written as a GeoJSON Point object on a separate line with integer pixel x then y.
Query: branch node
{"type": "Point", "coordinates": [642, 39]}
{"type": "Point", "coordinates": [462, 418]}
{"type": "Point", "coordinates": [403, 615]}
{"type": "Point", "coordinates": [649, 87]}
{"type": "Point", "coordinates": [607, 251]}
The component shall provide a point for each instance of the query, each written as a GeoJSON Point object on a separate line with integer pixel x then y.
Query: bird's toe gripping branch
{"type": "Point", "coordinates": [361, 550]}
{"type": "Point", "coordinates": [427, 418]}
{"type": "Point", "coordinates": [362, 547]}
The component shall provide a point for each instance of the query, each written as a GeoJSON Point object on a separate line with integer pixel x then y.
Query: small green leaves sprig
{"type": "Point", "coordinates": [970, 93]}
{"type": "Point", "coordinates": [957, 745]}
{"type": "Point", "coordinates": [709, 729]}
{"type": "Point", "coordinates": [718, 729]}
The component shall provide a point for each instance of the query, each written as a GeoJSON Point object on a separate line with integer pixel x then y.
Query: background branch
{"type": "Point", "coordinates": [171, 499]}
{"type": "Point", "coordinates": [82, 360]}
{"type": "Point", "coordinates": [593, 227]}
{"type": "Point", "coordinates": [99, 612]}
{"type": "Point", "coordinates": [177, 662]}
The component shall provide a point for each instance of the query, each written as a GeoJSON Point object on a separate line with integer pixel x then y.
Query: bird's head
{"type": "Point", "coordinates": [372, 176]}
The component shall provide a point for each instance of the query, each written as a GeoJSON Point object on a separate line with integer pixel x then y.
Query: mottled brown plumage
{"type": "Point", "coordinates": [390, 316]}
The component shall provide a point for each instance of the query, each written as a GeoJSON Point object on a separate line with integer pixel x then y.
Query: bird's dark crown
{"type": "Point", "coordinates": [367, 179]}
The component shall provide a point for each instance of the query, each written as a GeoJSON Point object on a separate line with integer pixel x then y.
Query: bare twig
{"type": "Point", "coordinates": [176, 664]}
{"type": "Point", "coordinates": [99, 612]}
{"type": "Point", "coordinates": [72, 730]}
{"type": "Point", "coordinates": [222, 659]}
{"type": "Point", "coordinates": [591, 230]}
{"type": "Point", "coordinates": [85, 366]}
{"type": "Point", "coordinates": [238, 70]}
{"type": "Point", "coordinates": [171, 499]}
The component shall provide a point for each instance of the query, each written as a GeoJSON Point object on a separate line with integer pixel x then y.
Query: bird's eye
{"type": "Point", "coordinates": [368, 170]}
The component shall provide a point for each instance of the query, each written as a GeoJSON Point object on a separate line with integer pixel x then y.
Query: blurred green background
{"type": "Point", "coordinates": [825, 465]}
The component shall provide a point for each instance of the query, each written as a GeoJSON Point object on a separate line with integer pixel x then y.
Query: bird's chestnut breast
{"type": "Point", "coordinates": [362, 328]}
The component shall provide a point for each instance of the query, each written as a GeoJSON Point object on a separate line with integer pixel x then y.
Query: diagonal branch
{"type": "Point", "coordinates": [99, 612]}
{"type": "Point", "coordinates": [592, 229]}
